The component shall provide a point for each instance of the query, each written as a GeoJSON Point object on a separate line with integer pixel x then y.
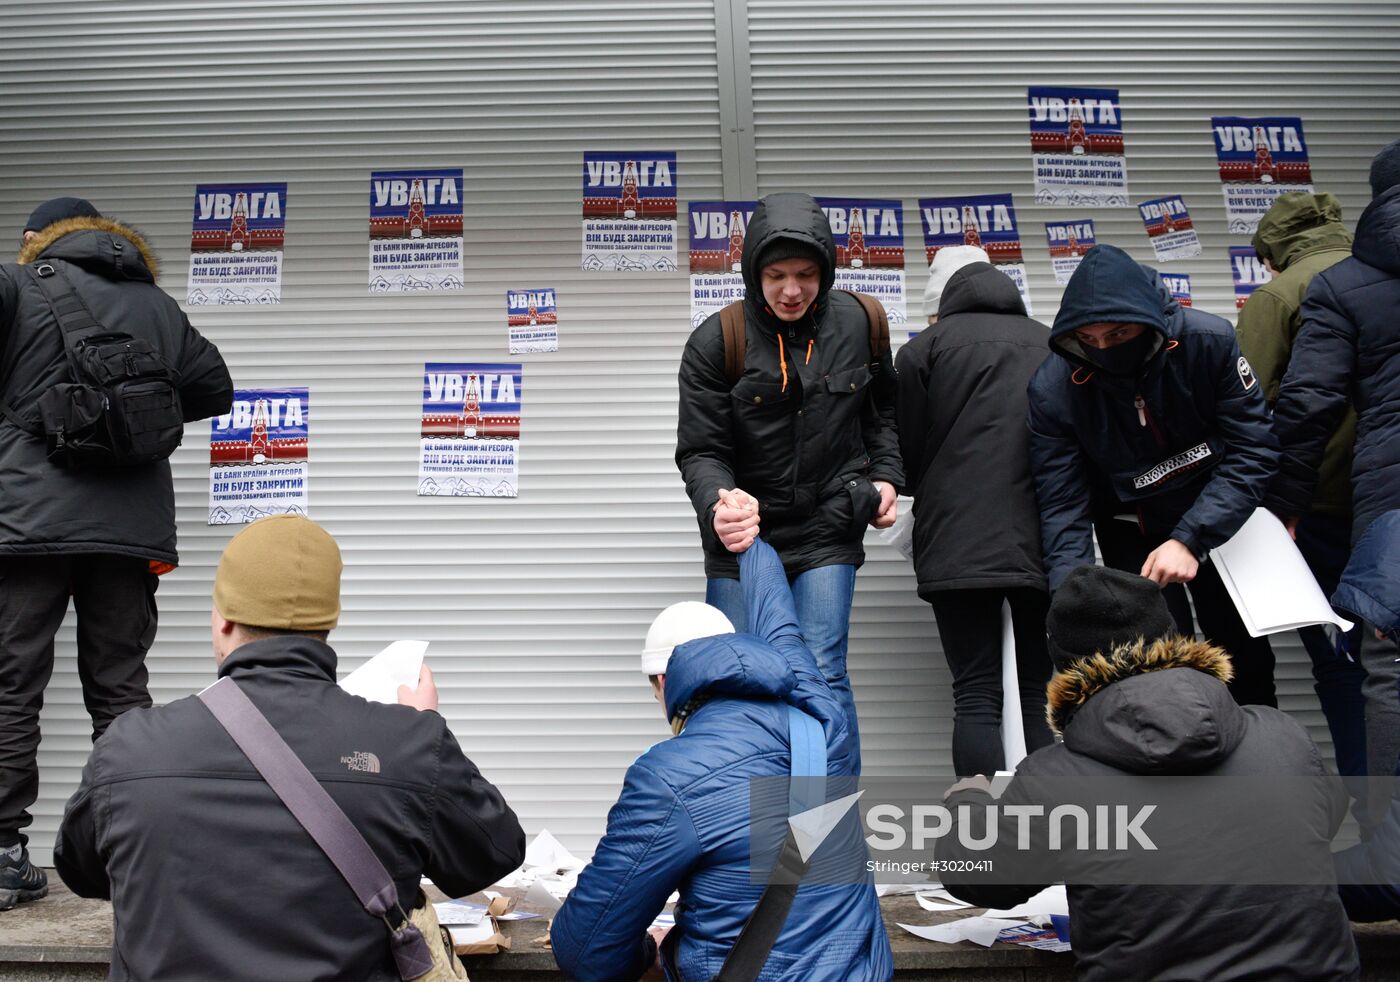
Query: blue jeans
{"type": "Point", "coordinates": [823, 598]}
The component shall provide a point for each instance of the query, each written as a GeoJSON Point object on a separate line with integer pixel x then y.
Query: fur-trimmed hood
{"type": "Point", "coordinates": [92, 243]}
{"type": "Point", "coordinates": [1158, 707]}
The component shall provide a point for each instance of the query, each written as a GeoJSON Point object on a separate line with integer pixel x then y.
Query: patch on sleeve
{"type": "Point", "coordinates": [1247, 378]}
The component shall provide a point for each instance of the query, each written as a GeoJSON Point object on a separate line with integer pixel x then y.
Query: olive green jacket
{"type": "Point", "coordinates": [1301, 235]}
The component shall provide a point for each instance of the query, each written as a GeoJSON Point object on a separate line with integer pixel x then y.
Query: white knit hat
{"type": "Point", "coordinates": [947, 261]}
{"type": "Point", "coordinates": [676, 625]}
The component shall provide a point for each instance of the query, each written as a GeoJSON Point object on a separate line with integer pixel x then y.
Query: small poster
{"type": "Point", "coordinates": [532, 320]}
{"type": "Point", "coordinates": [236, 244]}
{"type": "Point", "coordinates": [1077, 147]}
{"type": "Point", "coordinates": [984, 220]}
{"type": "Point", "coordinates": [258, 456]}
{"type": "Point", "coordinates": [629, 211]}
{"type": "Point", "coordinates": [1179, 286]}
{"type": "Point", "coordinates": [1069, 241]}
{"type": "Point", "coordinates": [1261, 158]}
{"type": "Point", "coordinates": [415, 231]}
{"type": "Point", "coordinates": [1169, 228]}
{"type": "Point", "coordinates": [716, 255]}
{"type": "Point", "coordinates": [869, 235]}
{"type": "Point", "coordinates": [1248, 272]}
{"type": "Point", "coordinates": [469, 445]}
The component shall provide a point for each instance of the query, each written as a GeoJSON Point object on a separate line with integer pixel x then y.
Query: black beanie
{"type": "Point", "coordinates": [1096, 609]}
{"type": "Point", "coordinates": [56, 210]}
{"type": "Point", "coordinates": [1385, 169]}
{"type": "Point", "coordinates": [783, 248]}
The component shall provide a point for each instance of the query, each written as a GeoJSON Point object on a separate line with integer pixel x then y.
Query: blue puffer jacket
{"type": "Point", "coordinates": [1187, 443]}
{"type": "Point", "coordinates": [1347, 352]}
{"type": "Point", "coordinates": [682, 821]}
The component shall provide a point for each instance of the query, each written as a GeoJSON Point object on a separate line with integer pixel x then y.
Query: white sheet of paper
{"type": "Point", "coordinates": [452, 913]}
{"type": "Point", "coordinates": [900, 535]}
{"type": "Point", "coordinates": [1269, 581]}
{"type": "Point", "coordinates": [549, 852]}
{"type": "Point", "coordinates": [901, 889]}
{"type": "Point", "coordinates": [1013, 728]}
{"type": "Point", "coordinates": [378, 679]}
{"type": "Point", "coordinates": [979, 930]}
{"type": "Point", "coordinates": [939, 900]}
{"type": "Point", "coordinates": [1051, 900]}
{"type": "Point", "coordinates": [539, 896]}
{"type": "Point", "coordinates": [468, 933]}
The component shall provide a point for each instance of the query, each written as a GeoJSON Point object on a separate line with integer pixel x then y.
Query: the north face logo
{"type": "Point", "coordinates": [362, 761]}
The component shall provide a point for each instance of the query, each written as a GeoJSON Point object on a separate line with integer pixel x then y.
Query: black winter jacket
{"type": "Point", "coordinates": [45, 509]}
{"type": "Point", "coordinates": [1348, 350]}
{"type": "Point", "coordinates": [1156, 721]}
{"type": "Point", "coordinates": [1194, 458]}
{"type": "Point", "coordinates": [962, 437]}
{"type": "Point", "coordinates": [808, 448]}
{"type": "Point", "coordinates": [209, 874]}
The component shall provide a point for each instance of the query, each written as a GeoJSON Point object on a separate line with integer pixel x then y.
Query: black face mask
{"type": "Point", "coordinates": [1124, 359]}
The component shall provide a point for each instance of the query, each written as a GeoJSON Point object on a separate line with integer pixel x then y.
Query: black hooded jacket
{"type": "Point", "coordinates": [129, 511]}
{"type": "Point", "coordinates": [963, 440]}
{"type": "Point", "coordinates": [806, 442]}
{"type": "Point", "coordinates": [211, 877]}
{"type": "Point", "coordinates": [1242, 797]}
{"type": "Point", "coordinates": [1347, 351]}
{"type": "Point", "coordinates": [1186, 442]}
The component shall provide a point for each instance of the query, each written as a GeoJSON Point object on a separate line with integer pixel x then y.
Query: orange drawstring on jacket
{"type": "Point", "coordinates": [782, 358]}
{"type": "Point", "coordinates": [809, 351]}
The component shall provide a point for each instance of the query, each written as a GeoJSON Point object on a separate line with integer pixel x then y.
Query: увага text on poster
{"type": "Point", "coordinates": [629, 211]}
{"type": "Point", "coordinates": [258, 456]}
{"type": "Point", "coordinates": [469, 444]}
{"type": "Point", "coordinates": [1077, 147]}
{"type": "Point", "coordinates": [1068, 242]}
{"type": "Point", "coordinates": [1261, 158]}
{"type": "Point", "coordinates": [415, 231]}
{"type": "Point", "coordinates": [532, 320]}
{"type": "Point", "coordinates": [717, 230]}
{"type": "Point", "coordinates": [236, 244]}
{"type": "Point", "coordinates": [1169, 228]}
{"type": "Point", "coordinates": [1179, 286]}
{"type": "Point", "coordinates": [987, 221]}
{"type": "Point", "coordinates": [869, 234]}
{"type": "Point", "coordinates": [1248, 273]}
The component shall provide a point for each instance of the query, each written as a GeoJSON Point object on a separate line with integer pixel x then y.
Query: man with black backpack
{"type": "Point", "coordinates": [99, 371]}
{"type": "Point", "coordinates": [789, 397]}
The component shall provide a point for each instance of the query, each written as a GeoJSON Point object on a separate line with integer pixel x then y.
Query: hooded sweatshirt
{"type": "Point", "coordinates": [1301, 235]}
{"type": "Point", "coordinates": [1182, 439]}
{"type": "Point", "coordinates": [809, 425]}
{"type": "Point", "coordinates": [1162, 711]}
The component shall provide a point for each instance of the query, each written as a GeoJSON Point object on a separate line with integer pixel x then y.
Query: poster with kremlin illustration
{"type": "Point", "coordinates": [1260, 159]}
{"type": "Point", "coordinates": [236, 244]}
{"type": "Point", "coordinates": [717, 230]}
{"type": "Point", "coordinates": [987, 221]}
{"type": "Point", "coordinates": [258, 456]}
{"type": "Point", "coordinates": [469, 440]}
{"type": "Point", "coordinates": [869, 234]}
{"type": "Point", "coordinates": [415, 231]}
{"type": "Point", "coordinates": [629, 211]}
{"type": "Point", "coordinates": [1077, 146]}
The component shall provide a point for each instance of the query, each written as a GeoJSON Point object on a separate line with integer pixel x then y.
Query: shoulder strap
{"type": "Point", "coordinates": [806, 791]}
{"type": "Point", "coordinates": [303, 795]}
{"type": "Point", "coordinates": [879, 326]}
{"type": "Point", "coordinates": [731, 326]}
{"type": "Point", "coordinates": [75, 321]}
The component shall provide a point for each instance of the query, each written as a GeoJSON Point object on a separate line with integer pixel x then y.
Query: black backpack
{"type": "Point", "coordinates": [122, 406]}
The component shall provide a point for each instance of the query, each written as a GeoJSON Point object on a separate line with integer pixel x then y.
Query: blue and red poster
{"type": "Point", "coordinates": [236, 244]}
{"type": "Point", "coordinates": [869, 234]}
{"type": "Point", "coordinates": [1068, 242]}
{"type": "Point", "coordinates": [1260, 159]}
{"type": "Point", "coordinates": [1169, 228]}
{"type": "Point", "coordinates": [1179, 285]}
{"type": "Point", "coordinates": [1248, 272]}
{"type": "Point", "coordinates": [629, 210]}
{"type": "Point", "coordinates": [1077, 146]}
{"type": "Point", "coordinates": [532, 320]}
{"type": "Point", "coordinates": [258, 456]}
{"type": "Point", "coordinates": [469, 444]}
{"type": "Point", "coordinates": [415, 231]}
{"type": "Point", "coordinates": [717, 231]}
{"type": "Point", "coordinates": [984, 220]}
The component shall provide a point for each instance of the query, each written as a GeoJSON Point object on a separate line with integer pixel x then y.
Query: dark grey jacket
{"type": "Point", "coordinates": [129, 511]}
{"type": "Point", "coordinates": [806, 446]}
{"type": "Point", "coordinates": [1242, 803]}
{"type": "Point", "coordinates": [963, 438]}
{"type": "Point", "coordinates": [209, 874]}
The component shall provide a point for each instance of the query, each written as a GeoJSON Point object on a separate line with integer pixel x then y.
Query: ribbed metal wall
{"type": "Point", "coordinates": [535, 606]}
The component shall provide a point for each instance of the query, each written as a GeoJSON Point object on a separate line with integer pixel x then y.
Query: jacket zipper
{"type": "Point", "coordinates": [1145, 419]}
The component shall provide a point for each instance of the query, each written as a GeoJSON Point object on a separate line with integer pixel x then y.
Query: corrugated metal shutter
{"type": "Point", "coordinates": [535, 607]}
{"type": "Point", "coordinates": [902, 99]}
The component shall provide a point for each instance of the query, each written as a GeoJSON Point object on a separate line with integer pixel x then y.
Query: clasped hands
{"type": "Point", "coordinates": [736, 515]}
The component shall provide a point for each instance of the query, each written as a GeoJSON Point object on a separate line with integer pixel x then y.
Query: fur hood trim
{"type": "Point", "coordinates": [46, 237]}
{"type": "Point", "coordinates": [1072, 687]}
